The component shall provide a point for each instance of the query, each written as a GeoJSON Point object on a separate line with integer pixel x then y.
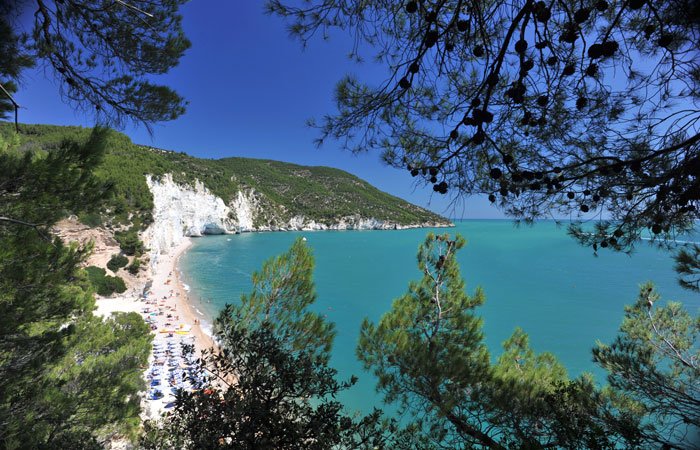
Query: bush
{"type": "Point", "coordinates": [129, 242]}
{"type": "Point", "coordinates": [134, 266]}
{"type": "Point", "coordinates": [112, 285]}
{"type": "Point", "coordinates": [95, 273]}
{"type": "Point", "coordinates": [91, 219]}
{"type": "Point", "coordinates": [117, 262]}
{"type": "Point", "coordinates": [104, 285]}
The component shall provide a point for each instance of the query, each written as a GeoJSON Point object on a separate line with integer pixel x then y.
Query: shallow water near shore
{"type": "Point", "coordinates": [536, 277]}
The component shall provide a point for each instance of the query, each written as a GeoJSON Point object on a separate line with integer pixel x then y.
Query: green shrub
{"type": "Point", "coordinates": [91, 219]}
{"type": "Point", "coordinates": [95, 273]}
{"type": "Point", "coordinates": [112, 285]}
{"type": "Point", "coordinates": [117, 262]}
{"type": "Point", "coordinates": [104, 284]}
{"type": "Point", "coordinates": [134, 266]}
{"type": "Point", "coordinates": [129, 242]}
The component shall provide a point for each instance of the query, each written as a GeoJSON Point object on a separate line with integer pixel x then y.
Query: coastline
{"type": "Point", "coordinates": [164, 305]}
{"type": "Point", "coordinates": [203, 340]}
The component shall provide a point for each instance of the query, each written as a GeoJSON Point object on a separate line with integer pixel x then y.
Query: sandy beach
{"type": "Point", "coordinates": [166, 283]}
{"type": "Point", "coordinates": [165, 307]}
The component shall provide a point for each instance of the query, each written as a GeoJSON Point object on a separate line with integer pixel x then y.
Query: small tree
{"type": "Point", "coordinates": [104, 284]}
{"type": "Point", "coordinates": [655, 360]}
{"type": "Point", "coordinates": [134, 267]}
{"type": "Point", "coordinates": [116, 262]}
{"type": "Point", "coordinates": [282, 293]}
{"type": "Point", "coordinates": [129, 241]}
{"type": "Point", "coordinates": [429, 357]}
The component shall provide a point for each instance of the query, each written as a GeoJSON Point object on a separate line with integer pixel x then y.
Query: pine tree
{"type": "Point", "coordinates": [67, 379]}
{"type": "Point", "coordinates": [272, 388]}
{"type": "Point", "coordinates": [282, 293]}
{"type": "Point", "coordinates": [688, 267]}
{"type": "Point", "coordinates": [103, 57]}
{"type": "Point", "coordinates": [581, 109]}
{"type": "Point", "coordinates": [429, 357]}
{"type": "Point", "coordinates": [655, 362]}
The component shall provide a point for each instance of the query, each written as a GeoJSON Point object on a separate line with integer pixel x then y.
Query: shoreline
{"type": "Point", "coordinates": [164, 304]}
{"type": "Point", "coordinates": [203, 340]}
{"type": "Point", "coordinates": [165, 307]}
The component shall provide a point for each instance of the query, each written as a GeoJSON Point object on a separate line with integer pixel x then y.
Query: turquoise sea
{"type": "Point", "coordinates": [535, 277]}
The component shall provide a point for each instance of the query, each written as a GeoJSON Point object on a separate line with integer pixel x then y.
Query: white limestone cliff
{"type": "Point", "coordinates": [243, 207]}
{"type": "Point", "coordinates": [180, 211]}
{"type": "Point", "coordinates": [300, 223]}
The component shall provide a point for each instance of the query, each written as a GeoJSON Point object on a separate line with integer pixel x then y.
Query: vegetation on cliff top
{"type": "Point", "coordinates": [322, 194]}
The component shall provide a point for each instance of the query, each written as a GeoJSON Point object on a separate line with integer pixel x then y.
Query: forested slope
{"type": "Point", "coordinates": [322, 194]}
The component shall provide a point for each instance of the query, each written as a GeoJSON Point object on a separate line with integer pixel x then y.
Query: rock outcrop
{"type": "Point", "coordinates": [181, 211]}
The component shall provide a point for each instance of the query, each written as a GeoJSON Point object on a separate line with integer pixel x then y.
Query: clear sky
{"type": "Point", "coordinates": [251, 89]}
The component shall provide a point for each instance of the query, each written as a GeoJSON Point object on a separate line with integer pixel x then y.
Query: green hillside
{"type": "Point", "coordinates": [322, 194]}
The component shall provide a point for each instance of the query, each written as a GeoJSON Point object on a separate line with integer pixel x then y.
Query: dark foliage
{"type": "Point", "coordinates": [273, 399]}
{"type": "Point", "coordinates": [134, 267]}
{"type": "Point", "coordinates": [116, 262]}
{"type": "Point", "coordinates": [103, 55]}
{"type": "Point", "coordinates": [562, 108]}
{"type": "Point", "coordinates": [688, 267]}
{"type": "Point", "coordinates": [104, 284]}
{"type": "Point", "coordinates": [66, 377]}
{"type": "Point", "coordinates": [129, 241]}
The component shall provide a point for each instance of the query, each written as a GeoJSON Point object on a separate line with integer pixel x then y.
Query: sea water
{"type": "Point", "coordinates": [537, 278]}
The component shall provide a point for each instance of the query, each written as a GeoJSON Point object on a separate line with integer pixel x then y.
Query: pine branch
{"type": "Point", "coordinates": [36, 227]}
{"type": "Point", "coordinates": [14, 104]}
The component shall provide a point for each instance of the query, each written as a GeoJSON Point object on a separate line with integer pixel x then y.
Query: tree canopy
{"type": "Point", "coordinates": [67, 378]}
{"type": "Point", "coordinates": [656, 361]}
{"type": "Point", "coordinates": [103, 54]}
{"type": "Point", "coordinates": [587, 109]}
{"type": "Point", "coordinates": [429, 357]}
{"type": "Point", "coordinates": [282, 293]}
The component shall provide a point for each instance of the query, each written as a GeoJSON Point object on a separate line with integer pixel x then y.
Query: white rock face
{"type": "Point", "coordinates": [243, 207]}
{"type": "Point", "coordinates": [301, 223]}
{"type": "Point", "coordinates": [344, 223]}
{"type": "Point", "coordinates": [180, 211]}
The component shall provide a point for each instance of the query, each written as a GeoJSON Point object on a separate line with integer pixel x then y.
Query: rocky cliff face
{"type": "Point", "coordinates": [180, 211]}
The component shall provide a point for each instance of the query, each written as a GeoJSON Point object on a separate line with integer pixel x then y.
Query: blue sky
{"type": "Point", "coordinates": [251, 89]}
